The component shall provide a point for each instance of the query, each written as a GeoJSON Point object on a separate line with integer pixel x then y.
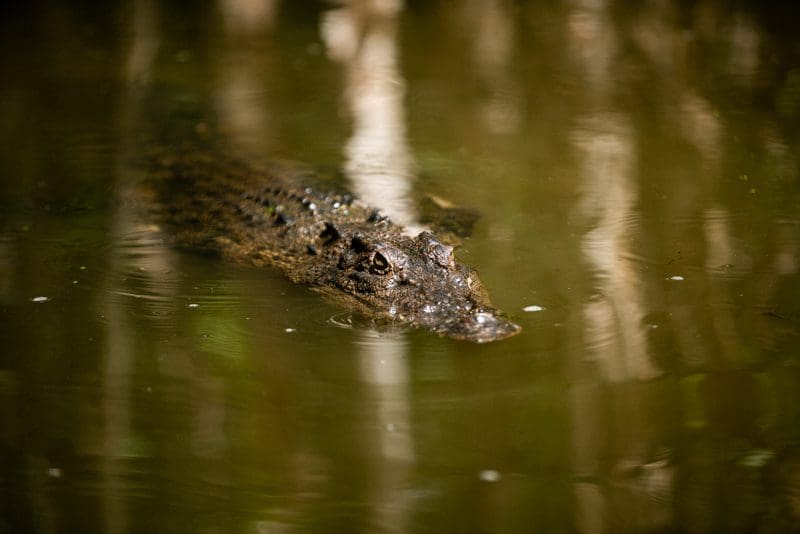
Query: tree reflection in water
{"type": "Point", "coordinates": [636, 168]}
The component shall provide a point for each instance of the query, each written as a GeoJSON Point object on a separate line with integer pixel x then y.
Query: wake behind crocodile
{"type": "Point", "coordinates": [331, 242]}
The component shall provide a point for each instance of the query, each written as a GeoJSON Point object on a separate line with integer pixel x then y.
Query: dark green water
{"type": "Point", "coordinates": [637, 171]}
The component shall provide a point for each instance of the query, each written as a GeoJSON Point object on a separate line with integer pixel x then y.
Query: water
{"type": "Point", "coordinates": [636, 171]}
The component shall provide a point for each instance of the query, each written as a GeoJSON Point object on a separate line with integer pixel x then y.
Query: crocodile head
{"type": "Point", "coordinates": [419, 282]}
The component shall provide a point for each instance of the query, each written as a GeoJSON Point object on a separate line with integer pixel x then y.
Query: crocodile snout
{"type": "Point", "coordinates": [481, 326]}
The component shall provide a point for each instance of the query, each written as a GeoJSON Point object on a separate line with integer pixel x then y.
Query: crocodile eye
{"type": "Point", "coordinates": [380, 265]}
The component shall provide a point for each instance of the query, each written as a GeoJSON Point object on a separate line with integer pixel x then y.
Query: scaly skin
{"type": "Point", "coordinates": [330, 242]}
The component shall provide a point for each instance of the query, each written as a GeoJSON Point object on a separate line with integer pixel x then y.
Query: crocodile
{"type": "Point", "coordinates": [330, 241]}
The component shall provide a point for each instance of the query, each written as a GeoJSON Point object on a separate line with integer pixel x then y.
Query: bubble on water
{"type": "Point", "coordinates": [40, 299]}
{"type": "Point", "coordinates": [290, 330]}
{"type": "Point", "coordinates": [489, 475]}
{"type": "Point", "coordinates": [533, 308]}
{"type": "Point", "coordinates": [193, 305]}
{"type": "Point", "coordinates": [676, 278]}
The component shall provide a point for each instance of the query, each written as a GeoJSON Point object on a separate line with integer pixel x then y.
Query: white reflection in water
{"type": "Point", "coordinates": [615, 349]}
{"type": "Point", "coordinates": [362, 36]}
{"type": "Point", "coordinates": [700, 126]}
{"type": "Point", "coordinates": [136, 248]}
{"type": "Point", "coordinates": [782, 157]}
{"type": "Point", "coordinates": [614, 352]}
{"type": "Point", "coordinates": [745, 48]}
{"type": "Point", "coordinates": [493, 46]}
{"type": "Point", "coordinates": [788, 248]}
{"type": "Point", "coordinates": [613, 319]}
{"type": "Point", "coordinates": [240, 94]}
{"type": "Point", "coordinates": [247, 16]}
{"type": "Point", "coordinates": [722, 257]}
{"type": "Point", "coordinates": [593, 43]}
{"type": "Point", "coordinates": [240, 100]}
{"type": "Point", "coordinates": [656, 37]}
{"type": "Point", "coordinates": [384, 366]}
{"type": "Point", "coordinates": [144, 45]}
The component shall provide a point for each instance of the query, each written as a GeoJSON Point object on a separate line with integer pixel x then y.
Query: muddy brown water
{"type": "Point", "coordinates": [636, 172]}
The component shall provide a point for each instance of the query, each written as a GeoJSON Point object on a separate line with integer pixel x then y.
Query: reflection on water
{"type": "Point", "coordinates": [613, 315]}
{"type": "Point", "coordinates": [636, 170]}
{"type": "Point", "coordinates": [493, 28]}
{"type": "Point", "coordinates": [362, 36]}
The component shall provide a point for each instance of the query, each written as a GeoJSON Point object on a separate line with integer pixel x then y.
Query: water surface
{"type": "Point", "coordinates": [636, 172]}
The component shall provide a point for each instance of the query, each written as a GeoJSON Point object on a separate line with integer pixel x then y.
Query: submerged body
{"type": "Point", "coordinates": [330, 242]}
